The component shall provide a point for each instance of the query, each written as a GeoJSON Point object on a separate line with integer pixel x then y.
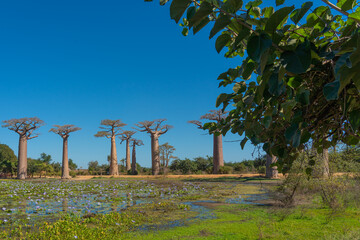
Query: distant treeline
{"type": "Point", "coordinates": [342, 159]}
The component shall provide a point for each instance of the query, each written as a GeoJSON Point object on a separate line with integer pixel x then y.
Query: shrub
{"type": "Point", "coordinates": [225, 170]}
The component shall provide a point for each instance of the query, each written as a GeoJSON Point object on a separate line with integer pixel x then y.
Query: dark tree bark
{"type": "Point", "coordinates": [135, 143]}
{"type": "Point", "coordinates": [112, 129]}
{"type": "Point", "coordinates": [155, 130]}
{"type": "Point", "coordinates": [64, 133]}
{"type": "Point", "coordinates": [25, 127]}
{"type": "Point", "coordinates": [217, 116]}
{"type": "Point", "coordinates": [271, 171]}
{"type": "Point", "coordinates": [126, 136]}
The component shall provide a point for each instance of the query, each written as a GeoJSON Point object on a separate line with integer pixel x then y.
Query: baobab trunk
{"type": "Point", "coordinates": [114, 170]}
{"type": "Point", "coordinates": [155, 154]}
{"type": "Point", "coordinates": [65, 161]}
{"type": "Point", "coordinates": [271, 171]}
{"type": "Point", "coordinates": [22, 157]}
{"type": "Point", "coordinates": [128, 163]}
{"type": "Point", "coordinates": [133, 162]}
{"type": "Point", "coordinates": [218, 158]}
{"type": "Point", "coordinates": [325, 163]}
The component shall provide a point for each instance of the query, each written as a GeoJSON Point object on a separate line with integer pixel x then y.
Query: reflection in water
{"type": "Point", "coordinates": [65, 204]}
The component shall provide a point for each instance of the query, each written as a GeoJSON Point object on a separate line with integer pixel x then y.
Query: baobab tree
{"type": "Point", "coordinates": [111, 129]}
{"type": "Point", "coordinates": [166, 151]}
{"type": "Point", "coordinates": [134, 142]}
{"type": "Point", "coordinates": [155, 130]}
{"type": "Point", "coordinates": [25, 127]}
{"type": "Point", "coordinates": [126, 136]}
{"type": "Point", "coordinates": [64, 132]}
{"type": "Point", "coordinates": [271, 171]}
{"type": "Point", "coordinates": [217, 116]}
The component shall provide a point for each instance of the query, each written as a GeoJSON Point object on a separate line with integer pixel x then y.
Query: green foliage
{"type": "Point", "coordinates": [306, 65]}
{"type": "Point", "coordinates": [225, 170]}
{"type": "Point", "coordinates": [8, 160]}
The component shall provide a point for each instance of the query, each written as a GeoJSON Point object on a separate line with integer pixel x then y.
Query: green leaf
{"type": "Point", "coordinates": [278, 17]}
{"type": "Point", "coordinates": [190, 12]}
{"type": "Point", "coordinates": [279, 2]}
{"type": "Point", "coordinates": [257, 45]}
{"type": "Point", "coordinates": [267, 11]}
{"type": "Point", "coordinates": [290, 132]}
{"type": "Point", "coordinates": [200, 25]}
{"type": "Point", "coordinates": [253, 3]}
{"type": "Point", "coordinates": [232, 6]}
{"type": "Point", "coordinates": [185, 31]}
{"type": "Point", "coordinates": [221, 22]}
{"type": "Point", "coordinates": [355, 15]}
{"type": "Point", "coordinates": [276, 87]}
{"type": "Point", "coordinates": [162, 2]}
{"type": "Point", "coordinates": [221, 98]}
{"type": "Point", "coordinates": [331, 90]}
{"type": "Point", "coordinates": [305, 137]}
{"type": "Point", "coordinates": [267, 120]}
{"type": "Point", "coordinates": [346, 5]}
{"type": "Point", "coordinates": [243, 142]}
{"type": "Point", "coordinates": [303, 97]}
{"type": "Point", "coordinates": [298, 14]}
{"type": "Point", "coordinates": [297, 61]}
{"type": "Point", "coordinates": [248, 70]}
{"type": "Point", "coordinates": [354, 118]}
{"type": "Point", "coordinates": [177, 9]}
{"type": "Point", "coordinates": [204, 10]}
{"type": "Point", "coordinates": [295, 82]}
{"type": "Point", "coordinates": [221, 42]}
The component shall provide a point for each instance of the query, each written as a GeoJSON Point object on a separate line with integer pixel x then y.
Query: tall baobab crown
{"type": "Point", "coordinates": [24, 126]}
{"type": "Point", "coordinates": [215, 115]}
{"type": "Point", "coordinates": [64, 130]}
{"type": "Point", "coordinates": [136, 142]}
{"type": "Point", "coordinates": [126, 135]}
{"type": "Point", "coordinates": [153, 127]}
{"type": "Point", "coordinates": [111, 128]}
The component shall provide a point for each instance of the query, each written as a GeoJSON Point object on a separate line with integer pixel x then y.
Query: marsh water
{"type": "Point", "coordinates": [31, 202]}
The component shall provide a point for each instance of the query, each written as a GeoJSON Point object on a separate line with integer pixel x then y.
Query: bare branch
{"type": "Point", "coordinates": [64, 130]}
{"type": "Point", "coordinates": [24, 126]}
{"type": "Point", "coordinates": [153, 127]}
{"type": "Point", "coordinates": [111, 128]}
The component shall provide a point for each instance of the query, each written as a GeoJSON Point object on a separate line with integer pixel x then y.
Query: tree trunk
{"type": "Point", "coordinates": [325, 157]}
{"type": "Point", "coordinates": [128, 163]}
{"type": "Point", "coordinates": [155, 154]}
{"type": "Point", "coordinates": [218, 158]}
{"type": "Point", "coordinates": [114, 170]}
{"type": "Point", "coordinates": [271, 172]}
{"type": "Point", "coordinates": [22, 157]}
{"type": "Point", "coordinates": [65, 161]}
{"type": "Point", "coordinates": [133, 162]}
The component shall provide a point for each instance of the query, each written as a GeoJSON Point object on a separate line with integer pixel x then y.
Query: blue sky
{"type": "Point", "coordinates": [78, 62]}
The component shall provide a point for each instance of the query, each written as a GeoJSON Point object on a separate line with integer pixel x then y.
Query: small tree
{"type": "Point", "coordinates": [155, 130]}
{"type": "Point", "coordinates": [25, 127]}
{"type": "Point", "coordinates": [8, 161]}
{"type": "Point", "coordinates": [166, 151]}
{"type": "Point", "coordinates": [217, 116]}
{"type": "Point", "coordinates": [126, 136]}
{"type": "Point", "coordinates": [135, 142]}
{"type": "Point", "coordinates": [64, 132]}
{"type": "Point", "coordinates": [112, 129]}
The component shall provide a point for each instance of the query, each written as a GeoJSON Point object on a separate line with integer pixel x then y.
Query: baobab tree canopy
{"type": "Point", "coordinates": [111, 128]}
{"type": "Point", "coordinates": [154, 126]}
{"type": "Point", "coordinates": [299, 80]}
{"type": "Point", "coordinates": [24, 126]}
{"type": "Point", "coordinates": [64, 130]}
